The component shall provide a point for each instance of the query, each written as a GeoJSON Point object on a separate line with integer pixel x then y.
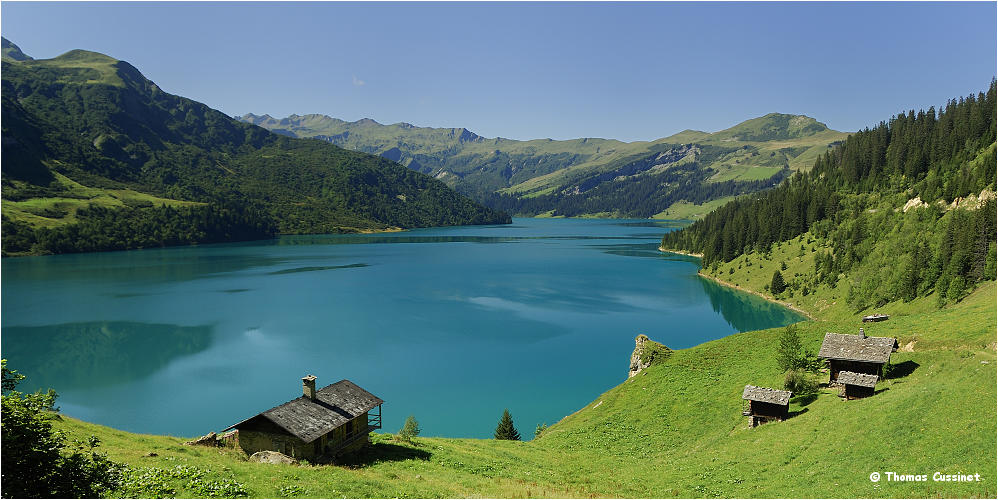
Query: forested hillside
{"type": "Point", "coordinates": [587, 176]}
{"type": "Point", "coordinates": [898, 211]}
{"type": "Point", "coordinates": [96, 157]}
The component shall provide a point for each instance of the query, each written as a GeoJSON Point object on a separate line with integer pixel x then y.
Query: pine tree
{"type": "Point", "coordinates": [777, 285]}
{"type": "Point", "coordinates": [790, 354]}
{"type": "Point", "coordinates": [505, 429]}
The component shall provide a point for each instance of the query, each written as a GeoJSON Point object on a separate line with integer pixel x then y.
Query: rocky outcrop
{"type": "Point", "coordinates": [210, 439]}
{"type": "Point", "coordinates": [915, 202]}
{"type": "Point", "coordinates": [271, 457]}
{"type": "Point", "coordinates": [646, 352]}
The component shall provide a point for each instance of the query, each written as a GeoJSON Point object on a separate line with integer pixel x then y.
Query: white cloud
{"type": "Point", "coordinates": [358, 82]}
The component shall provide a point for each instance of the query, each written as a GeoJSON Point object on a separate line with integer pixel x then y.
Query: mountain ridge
{"type": "Point", "coordinates": [544, 176]}
{"type": "Point", "coordinates": [313, 119]}
{"type": "Point", "coordinates": [85, 129]}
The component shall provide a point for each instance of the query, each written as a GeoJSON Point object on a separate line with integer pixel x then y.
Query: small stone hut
{"type": "Point", "coordinates": [766, 404]}
{"type": "Point", "coordinates": [335, 419]}
{"type": "Point", "coordinates": [873, 318]}
{"type": "Point", "coordinates": [856, 353]}
{"type": "Point", "coordinates": [857, 385]}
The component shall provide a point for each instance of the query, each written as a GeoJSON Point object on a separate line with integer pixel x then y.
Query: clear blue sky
{"type": "Point", "coordinates": [630, 71]}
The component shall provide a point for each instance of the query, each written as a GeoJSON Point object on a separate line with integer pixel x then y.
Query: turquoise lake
{"type": "Point", "coordinates": [449, 324]}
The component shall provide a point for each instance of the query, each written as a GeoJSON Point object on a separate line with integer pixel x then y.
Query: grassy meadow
{"type": "Point", "coordinates": [685, 210]}
{"type": "Point", "coordinates": [55, 211]}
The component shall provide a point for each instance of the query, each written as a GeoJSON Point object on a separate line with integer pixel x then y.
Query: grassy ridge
{"type": "Point", "coordinates": [676, 430]}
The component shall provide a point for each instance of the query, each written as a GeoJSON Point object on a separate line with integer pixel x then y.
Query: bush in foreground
{"type": "Point", "coordinates": [37, 460]}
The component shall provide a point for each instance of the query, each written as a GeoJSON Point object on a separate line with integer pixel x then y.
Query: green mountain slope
{"type": "Point", "coordinates": [12, 52]}
{"type": "Point", "coordinates": [895, 213]}
{"type": "Point", "coordinates": [85, 130]}
{"type": "Point", "coordinates": [585, 176]}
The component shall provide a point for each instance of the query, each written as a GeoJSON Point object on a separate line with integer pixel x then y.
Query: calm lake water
{"type": "Point", "coordinates": [451, 325]}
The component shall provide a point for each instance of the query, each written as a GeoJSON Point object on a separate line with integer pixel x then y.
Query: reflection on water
{"type": "Point", "coordinates": [99, 353]}
{"type": "Point", "coordinates": [146, 266]}
{"type": "Point", "coordinates": [317, 268]}
{"type": "Point", "coordinates": [747, 312]}
{"type": "Point", "coordinates": [423, 318]}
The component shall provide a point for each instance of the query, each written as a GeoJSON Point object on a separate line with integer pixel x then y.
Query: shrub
{"type": "Point", "coordinates": [540, 430]}
{"type": "Point", "coordinates": [37, 460]}
{"type": "Point", "coordinates": [800, 382]}
{"type": "Point", "coordinates": [410, 429]}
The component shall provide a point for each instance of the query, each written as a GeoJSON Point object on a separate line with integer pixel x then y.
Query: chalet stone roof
{"type": "Point", "coordinates": [335, 405]}
{"type": "Point", "coordinates": [860, 379]}
{"type": "Point", "coordinates": [766, 395]}
{"type": "Point", "coordinates": [857, 348]}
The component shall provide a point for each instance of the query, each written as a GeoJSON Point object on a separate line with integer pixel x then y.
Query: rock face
{"type": "Point", "coordinates": [210, 439]}
{"type": "Point", "coordinates": [271, 457]}
{"type": "Point", "coordinates": [646, 352]}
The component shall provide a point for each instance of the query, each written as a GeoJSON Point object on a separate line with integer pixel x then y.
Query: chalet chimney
{"type": "Point", "coordinates": [308, 387]}
{"type": "Point", "coordinates": [862, 335]}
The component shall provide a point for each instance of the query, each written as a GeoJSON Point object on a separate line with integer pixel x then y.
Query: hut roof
{"type": "Point", "coordinates": [766, 395]}
{"type": "Point", "coordinates": [857, 348]}
{"type": "Point", "coordinates": [860, 379]}
{"type": "Point", "coordinates": [334, 405]}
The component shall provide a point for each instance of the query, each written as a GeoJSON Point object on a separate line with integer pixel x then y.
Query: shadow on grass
{"type": "Point", "coordinates": [382, 452]}
{"type": "Point", "coordinates": [793, 414]}
{"type": "Point", "coordinates": [805, 399]}
{"type": "Point", "coordinates": [900, 370]}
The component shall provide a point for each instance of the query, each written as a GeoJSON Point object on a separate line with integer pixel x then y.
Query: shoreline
{"type": "Point", "coordinates": [788, 305]}
{"type": "Point", "coordinates": [721, 282]}
{"type": "Point", "coordinates": [680, 252]}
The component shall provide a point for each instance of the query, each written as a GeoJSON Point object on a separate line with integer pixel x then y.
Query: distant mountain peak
{"type": "Point", "coordinates": [13, 52]}
{"type": "Point", "coordinates": [773, 126]}
{"type": "Point", "coordinates": [80, 55]}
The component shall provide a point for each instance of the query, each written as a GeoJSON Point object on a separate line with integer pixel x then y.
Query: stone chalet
{"type": "Point", "coordinates": [857, 385]}
{"type": "Point", "coordinates": [856, 353]}
{"type": "Point", "coordinates": [325, 422]}
{"type": "Point", "coordinates": [765, 404]}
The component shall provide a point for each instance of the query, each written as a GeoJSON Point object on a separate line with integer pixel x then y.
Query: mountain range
{"type": "Point", "coordinates": [586, 176]}
{"type": "Point", "coordinates": [92, 147]}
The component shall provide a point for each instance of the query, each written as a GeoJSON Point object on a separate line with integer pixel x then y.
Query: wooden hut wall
{"type": "Point", "coordinates": [338, 435]}
{"type": "Point", "coordinates": [856, 391]}
{"type": "Point", "coordinates": [837, 365]}
{"type": "Point", "coordinates": [768, 409]}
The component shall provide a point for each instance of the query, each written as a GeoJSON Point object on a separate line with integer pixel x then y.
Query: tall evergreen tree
{"type": "Point", "coordinates": [505, 429]}
{"type": "Point", "coordinates": [777, 285]}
